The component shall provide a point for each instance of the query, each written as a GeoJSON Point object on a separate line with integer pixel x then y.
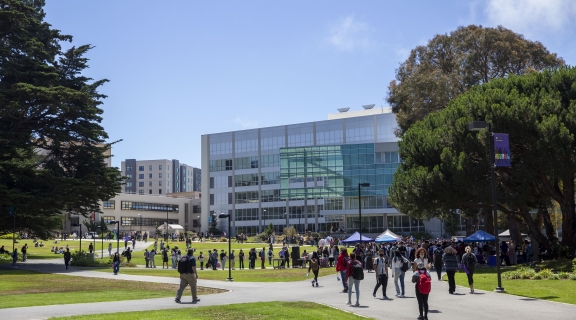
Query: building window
{"type": "Point", "coordinates": [128, 184]}
{"type": "Point", "coordinates": [150, 168]}
{"type": "Point", "coordinates": [167, 176]}
{"type": "Point", "coordinates": [109, 219]}
{"type": "Point", "coordinates": [159, 191]}
{"type": "Point", "coordinates": [220, 165]}
{"type": "Point", "coordinates": [141, 184]}
{"type": "Point", "coordinates": [168, 167]}
{"type": "Point", "coordinates": [129, 176]}
{"type": "Point", "coordinates": [167, 190]}
{"type": "Point", "coordinates": [149, 176]}
{"type": "Point", "coordinates": [141, 176]}
{"type": "Point", "coordinates": [160, 183]}
{"type": "Point", "coordinates": [146, 206]}
{"type": "Point", "coordinates": [160, 167]}
{"type": "Point", "coordinates": [128, 169]}
{"type": "Point", "coordinates": [160, 175]}
{"type": "Point", "coordinates": [140, 168]}
{"type": "Point", "coordinates": [110, 204]}
{"type": "Point", "coordinates": [195, 223]}
{"type": "Point", "coordinates": [149, 183]}
{"type": "Point", "coordinates": [140, 191]}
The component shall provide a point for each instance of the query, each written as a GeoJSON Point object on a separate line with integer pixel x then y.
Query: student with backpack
{"type": "Point", "coordinates": [437, 257]}
{"type": "Point", "coordinates": [341, 266]}
{"type": "Point", "coordinates": [381, 268]}
{"type": "Point", "coordinates": [423, 285]}
{"type": "Point", "coordinates": [188, 276]}
{"type": "Point", "coordinates": [469, 261]}
{"type": "Point", "coordinates": [354, 274]}
{"type": "Point", "coordinates": [399, 267]}
{"type": "Point", "coordinates": [314, 266]}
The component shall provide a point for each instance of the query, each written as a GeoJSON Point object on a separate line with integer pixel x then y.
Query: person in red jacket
{"type": "Point", "coordinates": [341, 266]}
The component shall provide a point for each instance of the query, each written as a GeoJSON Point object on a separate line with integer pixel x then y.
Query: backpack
{"type": "Point", "coordinates": [424, 284]}
{"type": "Point", "coordinates": [314, 265]}
{"type": "Point", "coordinates": [470, 260]}
{"type": "Point", "coordinates": [357, 272]}
{"type": "Point", "coordinates": [405, 265]}
{"type": "Point", "coordinates": [183, 265]}
{"type": "Point", "coordinates": [438, 255]}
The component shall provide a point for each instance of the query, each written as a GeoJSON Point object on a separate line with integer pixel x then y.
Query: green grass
{"type": "Point", "coordinates": [21, 288]}
{"type": "Point", "coordinates": [246, 275]}
{"type": "Point", "coordinates": [244, 311]}
{"type": "Point", "coordinates": [44, 252]}
{"type": "Point", "coordinates": [553, 290]}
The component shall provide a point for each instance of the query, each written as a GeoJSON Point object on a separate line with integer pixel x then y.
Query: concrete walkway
{"type": "Point", "coordinates": [486, 305]}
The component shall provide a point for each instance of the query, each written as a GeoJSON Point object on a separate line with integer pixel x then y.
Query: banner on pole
{"type": "Point", "coordinates": [501, 150]}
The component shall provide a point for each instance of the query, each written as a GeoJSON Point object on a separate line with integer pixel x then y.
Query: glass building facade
{"type": "Point", "coordinates": [304, 175]}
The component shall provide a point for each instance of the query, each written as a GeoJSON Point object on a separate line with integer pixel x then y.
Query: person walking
{"type": "Point", "coordinates": [67, 257]}
{"type": "Point", "coordinates": [423, 284]}
{"type": "Point", "coordinates": [421, 257]}
{"type": "Point", "coordinates": [271, 255]}
{"type": "Point", "coordinates": [314, 266]}
{"type": "Point", "coordinates": [263, 257]}
{"type": "Point", "coordinates": [437, 260]}
{"type": "Point", "coordinates": [90, 248]}
{"type": "Point", "coordinates": [351, 281]}
{"type": "Point", "coordinates": [109, 249]}
{"type": "Point", "coordinates": [252, 258]}
{"type": "Point", "coordinates": [214, 259]}
{"type": "Point", "coordinates": [116, 263]}
{"type": "Point", "coordinates": [381, 268]}
{"type": "Point", "coordinates": [24, 251]}
{"type": "Point", "coordinates": [14, 258]}
{"type": "Point", "coordinates": [164, 258]}
{"type": "Point", "coordinates": [201, 260]}
{"type": "Point", "coordinates": [287, 256]}
{"type": "Point", "coordinates": [223, 258]}
{"type": "Point", "coordinates": [450, 260]}
{"type": "Point", "coordinates": [152, 254]}
{"type": "Point", "coordinates": [147, 258]}
{"type": "Point", "coordinates": [397, 272]}
{"type": "Point", "coordinates": [241, 259]}
{"type": "Point", "coordinates": [232, 261]}
{"type": "Point", "coordinates": [155, 246]}
{"type": "Point", "coordinates": [188, 277]}
{"type": "Point", "coordinates": [341, 265]}
{"type": "Point", "coordinates": [128, 255]}
{"type": "Point", "coordinates": [469, 261]}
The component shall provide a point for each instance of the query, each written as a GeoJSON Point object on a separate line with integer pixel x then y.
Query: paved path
{"type": "Point", "coordinates": [486, 305]}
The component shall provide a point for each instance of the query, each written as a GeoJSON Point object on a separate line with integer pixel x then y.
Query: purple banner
{"type": "Point", "coordinates": [501, 150]}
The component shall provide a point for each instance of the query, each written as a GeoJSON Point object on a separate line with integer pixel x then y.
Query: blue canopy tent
{"type": "Point", "coordinates": [385, 238]}
{"type": "Point", "coordinates": [480, 236]}
{"type": "Point", "coordinates": [356, 238]}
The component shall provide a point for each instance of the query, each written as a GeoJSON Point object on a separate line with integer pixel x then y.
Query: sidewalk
{"type": "Point", "coordinates": [444, 306]}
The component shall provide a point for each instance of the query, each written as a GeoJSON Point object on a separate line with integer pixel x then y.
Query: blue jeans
{"type": "Point", "coordinates": [343, 277]}
{"type": "Point", "coordinates": [116, 267]}
{"type": "Point", "coordinates": [399, 274]}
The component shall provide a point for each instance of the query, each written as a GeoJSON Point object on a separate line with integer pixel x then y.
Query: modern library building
{"type": "Point", "coordinates": [313, 176]}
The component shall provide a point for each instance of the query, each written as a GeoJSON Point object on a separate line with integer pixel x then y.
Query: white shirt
{"type": "Point", "coordinates": [380, 263]}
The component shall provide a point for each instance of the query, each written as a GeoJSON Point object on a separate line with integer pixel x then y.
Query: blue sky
{"type": "Point", "coordinates": [180, 69]}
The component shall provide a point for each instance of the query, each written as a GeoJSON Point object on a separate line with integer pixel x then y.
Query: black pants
{"type": "Point", "coordinates": [241, 263]}
{"type": "Point", "coordinates": [382, 281]}
{"type": "Point", "coordinates": [470, 276]}
{"type": "Point", "coordinates": [422, 303]}
{"type": "Point", "coordinates": [66, 262]}
{"type": "Point", "coordinates": [451, 281]}
{"type": "Point", "coordinates": [202, 265]}
{"type": "Point", "coordinates": [315, 272]}
{"type": "Point", "coordinates": [438, 267]}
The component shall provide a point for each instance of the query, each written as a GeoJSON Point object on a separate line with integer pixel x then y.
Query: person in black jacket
{"type": "Point", "coordinates": [241, 259]}
{"type": "Point", "coordinates": [67, 257]}
{"type": "Point", "coordinates": [450, 260]}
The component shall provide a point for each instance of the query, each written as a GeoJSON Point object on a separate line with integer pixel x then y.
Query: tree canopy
{"type": "Point", "coordinates": [52, 146]}
{"type": "Point", "coordinates": [446, 167]}
{"type": "Point", "coordinates": [451, 64]}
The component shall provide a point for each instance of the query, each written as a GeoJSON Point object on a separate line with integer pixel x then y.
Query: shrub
{"type": "Point", "coordinates": [563, 275]}
{"type": "Point", "coordinates": [9, 236]}
{"type": "Point", "coordinates": [422, 235]}
{"type": "Point", "coordinates": [537, 276]}
{"type": "Point", "coordinates": [559, 251]}
{"type": "Point", "coordinates": [574, 266]}
{"type": "Point", "coordinates": [546, 273]}
{"type": "Point", "coordinates": [527, 274]}
{"type": "Point", "coordinates": [554, 276]}
{"type": "Point", "coordinates": [572, 276]}
{"type": "Point", "coordinates": [83, 259]}
{"type": "Point", "coordinates": [223, 239]}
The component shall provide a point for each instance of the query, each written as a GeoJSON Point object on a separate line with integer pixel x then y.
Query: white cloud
{"type": "Point", "coordinates": [245, 123]}
{"type": "Point", "coordinates": [349, 34]}
{"type": "Point", "coordinates": [531, 17]}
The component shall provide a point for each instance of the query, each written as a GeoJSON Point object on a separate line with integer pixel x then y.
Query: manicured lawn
{"type": "Point", "coordinates": [260, 310]}
{"type": "Point", "coordinates": [21, 288]}
{"type": "Point", "coordinates": [246, 275]}
{"type": "Point", "coordinates": [553, 290]}
{"type": "Point", "coordinates": [44, 252]}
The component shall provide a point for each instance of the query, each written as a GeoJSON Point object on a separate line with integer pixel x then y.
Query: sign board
{"type": "Point", "coordinates": [501, 150]}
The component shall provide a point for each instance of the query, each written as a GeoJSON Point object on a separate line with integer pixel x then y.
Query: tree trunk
{"type": "Point", "coordinates": [548, 226]}
{"type": "Point", "coordinates": [568, 214]}
{"type": "Point", "coordinates": [533, 229]}
{"type": "Point", "coordinates": [489, 216]}
{"type": "Point", "coordinates": [514, 228]}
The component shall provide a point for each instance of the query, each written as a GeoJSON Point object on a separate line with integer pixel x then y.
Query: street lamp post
{"type": "Point", "coordinates": [264, 217]}
{"type": "Point", "coordinates": [166, 234]}
{"type": "Point", "coordinates": [229, 216]}
{"type": "Point", "coordinates": [80, 234]}
{"type": "Point", "coordinates": [101, 236]}
{"type": "Point", "coordinates": [117, 234]}
{"type": "Point", "coordinates": [141, 238]}
{"type": "Point", "coordinates": [366, 184]}
{"type": "Point", "coordinates": [477, 126]}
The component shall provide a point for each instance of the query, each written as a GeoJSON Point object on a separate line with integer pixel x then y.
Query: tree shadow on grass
{"type": "Point", "coordinates": [539, 298]}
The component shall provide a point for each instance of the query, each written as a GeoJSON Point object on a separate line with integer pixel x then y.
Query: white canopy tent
{"type": "Point", "coordinates": [506, 234]}
{"type": "Point", "coordinates": [389, 233]}
{"type": "Point", "coordinates": [171, 228]}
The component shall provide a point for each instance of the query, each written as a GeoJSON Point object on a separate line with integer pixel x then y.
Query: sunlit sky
{"type": "Point", "coordinates": [180, 69]}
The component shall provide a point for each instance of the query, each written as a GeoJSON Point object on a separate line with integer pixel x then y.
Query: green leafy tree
{"type": "Point", "coordinates": [451, 64]}
{"type": "Point", "coordinates": [447, 167]}
{"type": "Point", "coordinates": [52, 146]}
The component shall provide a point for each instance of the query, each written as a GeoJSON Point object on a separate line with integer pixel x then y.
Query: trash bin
{"type": "Point", "coordinates": [492, 261]}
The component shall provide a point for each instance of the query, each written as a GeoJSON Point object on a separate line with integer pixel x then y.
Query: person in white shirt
{"type": "Point", "coordinates": [381, 268]}
{"type": "Point", "coordinates": [397, 273]}
{"type": "Point", "coordinates": [421, 257]}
